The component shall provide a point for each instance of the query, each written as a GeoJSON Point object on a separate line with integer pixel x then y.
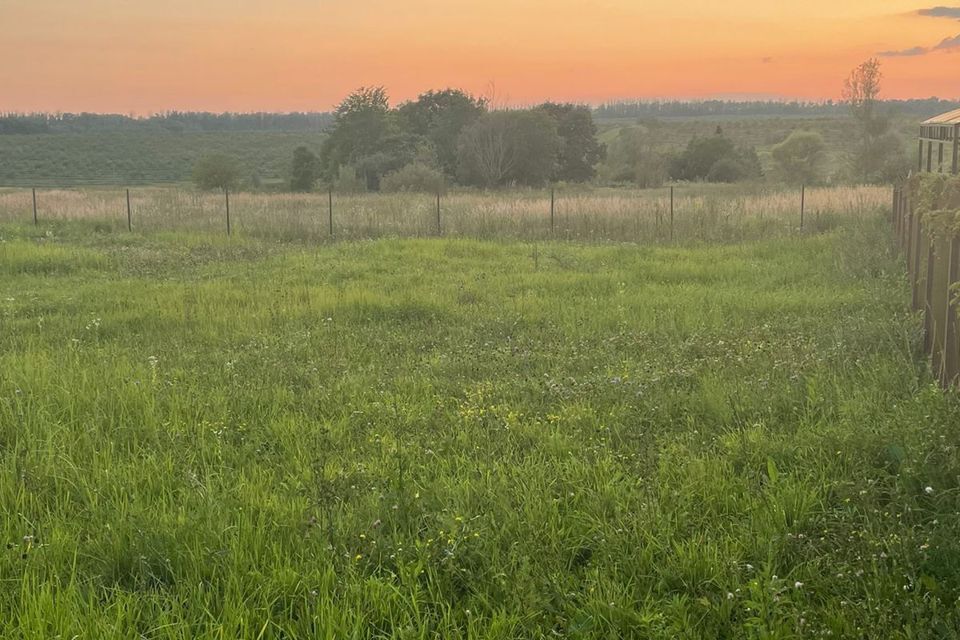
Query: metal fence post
{"type": "Point", "coordinates": [226, 192]}
{"type": "Point", "coordinates": [671, 214]}
{"type": "Point", "coordinates": [330, 209]}
{"type": "Point", "coordinates": [129, 213]}
{"type": "Point", "coordinates": [552, 200]}
{"type": "Point", "coordinates": [803, 203]}
{"type": "Point", "coordinates": [34, 206]}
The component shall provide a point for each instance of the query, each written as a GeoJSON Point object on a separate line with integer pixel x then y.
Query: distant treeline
{"type": "Point", "coordinates": [178, 121]}
{"type": "Point", "coordinates": [926, 107]}
{"type": "Point", "coordinates": [173, 121]}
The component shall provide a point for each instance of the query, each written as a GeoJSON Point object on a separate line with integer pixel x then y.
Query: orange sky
{"type": "Point", "coordinates": [131, 56]}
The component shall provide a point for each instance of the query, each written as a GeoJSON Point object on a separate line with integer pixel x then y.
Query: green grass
{"type": "Point", "coordinates": [204, 437]}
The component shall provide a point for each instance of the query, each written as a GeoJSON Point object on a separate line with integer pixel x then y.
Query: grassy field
{"type": "Point", "coordinates": [203, 437]}
{"type": "Point", "coordinates": [128, 158]}
{"type": "Point", "coordinates": [722, 213]}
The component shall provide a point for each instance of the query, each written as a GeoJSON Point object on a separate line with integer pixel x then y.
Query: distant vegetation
{"type": "Point", "coordinates": [451, 134]}
{"type": "Point", "coordinates": [449, 138]}
{"type": "Point", "coordinates": [923, 108]}
{"type": "Point", "coordinates": [173, 121]}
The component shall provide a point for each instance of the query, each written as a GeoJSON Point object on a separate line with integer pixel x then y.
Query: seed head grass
{"type": "Point", "coordinates": [211, 437]}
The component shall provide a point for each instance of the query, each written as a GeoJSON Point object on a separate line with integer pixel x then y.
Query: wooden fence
{"type": "Point", "coordinates": [933, 264]}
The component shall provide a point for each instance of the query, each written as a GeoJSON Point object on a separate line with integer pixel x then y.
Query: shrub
{"type": "Point", "coordinates": [304, 170]}
{"type": "Point", "coordinates": [800, 157]}
{"type": "Point", "coordinates": [414, 177]}
{"type": "Point", "coordinates": [727, 170]}
{"type": "Point", "coordinates": [347, 180]}
{"type": "Point", "coordinates": [216, 172]}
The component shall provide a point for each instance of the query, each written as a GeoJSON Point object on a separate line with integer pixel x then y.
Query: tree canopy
{"type": "Point", "coordinates": [216, 171]}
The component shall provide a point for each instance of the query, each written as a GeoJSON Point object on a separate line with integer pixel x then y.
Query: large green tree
{"type": "Point", "coordinates": [509, 147]}
{"type": "Point", "coordinates": [800, 158]}
{"type": "Point", "coordinates": [580, 150]}
{"type": "Point", "coordinates": [361, 124]}
{"type": "Point", "coordinates": [715, 159]}
{"type": "Point", "coordinates": [633, 157]}
{"type": "Point", "coordinates": [440, 117]}
{"type": "Point", "coordinates": [879, 154]}
{"type": "Point", "coordinates": [304, 170]}
{"type": "Point", "coordinates": [216, 171]}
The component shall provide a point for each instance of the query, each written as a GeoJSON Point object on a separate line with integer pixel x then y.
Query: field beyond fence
{"type": "Point", "coordinates": [688, 213]}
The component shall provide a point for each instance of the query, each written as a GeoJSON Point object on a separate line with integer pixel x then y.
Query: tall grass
{"type": "Point", "coordinates": [706, 213]}
{"type": "Point", "coordinates": [210, 437]}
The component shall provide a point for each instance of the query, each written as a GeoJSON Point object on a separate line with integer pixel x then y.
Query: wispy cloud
{"type": "Point", "coordinates": [905, 53]}
{"type": "Point", "coordinates": [948, 44]}
{"type": "Point", "coordinates": [940, 12]}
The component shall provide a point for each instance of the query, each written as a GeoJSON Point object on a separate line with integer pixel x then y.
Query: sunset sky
{"type": "Point", "coordinates": [132, 56]}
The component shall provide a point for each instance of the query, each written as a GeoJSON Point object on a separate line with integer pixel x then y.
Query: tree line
{"type": "Point", "coordinates": [39, 123]}
{"type": "Point", "coordinates": [171, 121]}
{"type": "Point", "coordinates": [921, 107]}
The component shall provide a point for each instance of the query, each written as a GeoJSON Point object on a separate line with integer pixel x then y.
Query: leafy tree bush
{"type": "Point", "coordinates": [347, 180]}
{"type": "Point", "coordinates": [631, 157]}
{"type": "Point", "coordinates": [361, 123]}
{"type": "Point", "coordinates": [580, 151]}
{"type": "Point", "coordinates": [879, 154]}
{"type": "Point", "coordinates": [414, 177]}
{"type": "Point", "coordinates": [715, 158]}
{"type": "Point", "coordinates": [800, 158]}
{"type": "Point", "coordinates": [216, 171]}
{"type": "Point", "coordinates": [509, 147]}
{"type": "Point", "coordinates": [727, 169]}
{"type": "Point", "coordinates": [304, 171]}
{"type": "Point", "coordinates": [439, 117]}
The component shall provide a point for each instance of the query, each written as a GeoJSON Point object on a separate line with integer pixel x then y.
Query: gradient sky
{"type": "Point", "coordinates": [132, 56]}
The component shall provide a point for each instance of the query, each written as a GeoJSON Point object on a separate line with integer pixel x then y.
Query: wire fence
{"type": "Point", "coordinates": [685, 213]}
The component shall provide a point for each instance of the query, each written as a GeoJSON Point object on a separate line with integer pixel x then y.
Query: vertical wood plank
{"type": "Point", "coordinates": [951, 344]}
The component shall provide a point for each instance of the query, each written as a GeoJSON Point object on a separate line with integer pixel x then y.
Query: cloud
{"type": "Point", "coordinates": [905, 53]}
{"type": "Point", "coordinates": [948, 44]}
{"type": "Point", "coordinates": [766, 60]}
{"type": "Point", "coordinates": [940, 12]}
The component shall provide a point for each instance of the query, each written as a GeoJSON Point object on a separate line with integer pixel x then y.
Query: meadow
{"type": "Point", "coordinates": [205, 436]}
{"type": "Point", "coordinates": [707, 213]}
{"type": "Point", "coordinates": [129, 158]}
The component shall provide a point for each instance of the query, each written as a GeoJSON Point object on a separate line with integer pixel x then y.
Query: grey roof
{"type": "Point", "coordinates": [951, 117]}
